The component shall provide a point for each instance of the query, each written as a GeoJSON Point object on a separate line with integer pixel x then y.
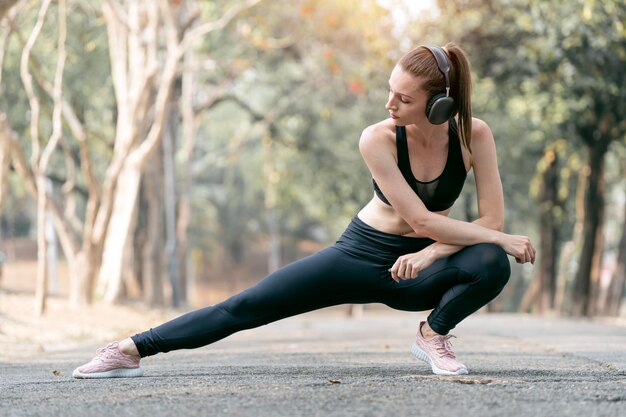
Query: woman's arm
{"type": "Point", "coordinates": [409, 266]}
{"type": "Point", "coordinates": [490, 209]}
{"type": "Point", "coordinates": [408, 205]}
{"type": "Point", "coordinates": [490, 204]}
{"type": "Point", "coordinates": [488, 186]}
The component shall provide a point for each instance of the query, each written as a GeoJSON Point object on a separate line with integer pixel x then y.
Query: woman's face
{"type": "Point", "coordinates": [407, 100]}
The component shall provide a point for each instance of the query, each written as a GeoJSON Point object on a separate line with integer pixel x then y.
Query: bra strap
{"type": "Point", "coordinates": [455, 141]}
{"type": "Point", "coordinates": [404, 163]}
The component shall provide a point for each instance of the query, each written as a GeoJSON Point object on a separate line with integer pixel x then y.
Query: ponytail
{"type": "Point", "coordinates": [461, 91]}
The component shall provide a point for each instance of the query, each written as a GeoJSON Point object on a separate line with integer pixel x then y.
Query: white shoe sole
{"type": "Point", "coordinates": [421, 355]}
{"type": "Point", "coordinates": [114, 373]}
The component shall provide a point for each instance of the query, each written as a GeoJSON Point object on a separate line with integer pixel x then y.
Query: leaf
{"type": "Point", "coordinates": [334, 381]}
{"type": "Point", "coordinates": [57, 373]}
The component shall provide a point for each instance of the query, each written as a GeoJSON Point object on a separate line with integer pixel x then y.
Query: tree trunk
{"type": "Point", "coordinates": [119, 231]}
{"type": "Point", "coordinates": [271, 178]}
{"type": "Point", "coordinates": [588, 274]}
{"type": "Point", "coordinates": [570, 250]}
{"type": "Point", "coordinates": [615, 292]}
{"type": "Point", "coordinates": [42, 158]}
{"type": "Point", "coordinates": [131, 287]}
{"type": "Point", "coordinates": [548, 233]}
{"type": "Point", "coordinates": [149, 102]}
{"type": "Point", "coordinates": [169, 197]}
{"type": "Point", "coordinates": [184, 202]}
{"type": "Point", "coordinates": [5, 156]}
{"type": "Point", "coordinates": [540, 293]}
{"type": "Point", "coordinates": [83, 267]}
{"type": "Point", "coordinates": [529, 299]}
{"type": "Point", "coordinates": [41, 289]}
{"type": "Point", "coordinates": [153, 249]}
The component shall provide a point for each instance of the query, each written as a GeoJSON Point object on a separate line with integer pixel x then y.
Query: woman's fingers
{"type": "Point", "coordinates": [521, 248]}
{"type": "Point", "coordinates": [397, 270]}
{"type": "Point", "coordinates": [404, 268]}
{"type": "Point", "coordinates": [526, 254]}
{"type": "Point", "coordinates": [394, 272]}
{"type": "Point", "coordinates": [412, 269]}
{"type": "Point", "coordinates": [528, 251]}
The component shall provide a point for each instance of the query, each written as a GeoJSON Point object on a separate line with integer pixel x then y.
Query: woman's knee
{"type": "Point", "coordinates": [492, 264]}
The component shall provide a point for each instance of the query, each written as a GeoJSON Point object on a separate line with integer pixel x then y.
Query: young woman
{"type": "Point", "coordinates": [401, 249]}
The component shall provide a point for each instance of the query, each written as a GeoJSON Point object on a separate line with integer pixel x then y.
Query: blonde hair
{"type": "Point", "coordinates": [421, 63]}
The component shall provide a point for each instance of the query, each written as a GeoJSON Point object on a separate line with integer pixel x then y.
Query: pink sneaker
{"type": "Point", "coordinates": [437, 352]}
{"type": "Point", "coordinates": [110, 363]}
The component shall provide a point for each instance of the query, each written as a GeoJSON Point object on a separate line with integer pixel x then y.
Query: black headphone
{"type": "Point", "coordinates": [440, 107]}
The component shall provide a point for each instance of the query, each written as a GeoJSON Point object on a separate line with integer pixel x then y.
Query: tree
{"type": "Point", "coordinates": [592, 70]}
{"type": "Point", "coordinates": [142, 85]}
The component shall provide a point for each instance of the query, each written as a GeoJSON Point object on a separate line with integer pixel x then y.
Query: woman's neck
{"type": "Point", "coordinates": [427, 135]}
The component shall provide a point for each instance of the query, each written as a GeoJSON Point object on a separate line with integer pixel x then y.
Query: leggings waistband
{"type": "Point", "coordinates": [362, 240]}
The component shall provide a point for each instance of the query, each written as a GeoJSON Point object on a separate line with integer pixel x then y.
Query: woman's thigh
{"type": "Point", "coordinates": [329, 277]}
{"type": "Point", "coordinates": [482, 266]}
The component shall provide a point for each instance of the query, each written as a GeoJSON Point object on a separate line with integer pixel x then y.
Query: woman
{"type": "Point", "coordinates": [401, 249]}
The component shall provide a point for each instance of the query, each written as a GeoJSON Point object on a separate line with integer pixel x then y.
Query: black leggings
{"type": "Point", "coordinates": [352, 271]}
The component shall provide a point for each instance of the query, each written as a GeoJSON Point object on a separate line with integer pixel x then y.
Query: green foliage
{"type": "Point", "coordinates": [313, 70]}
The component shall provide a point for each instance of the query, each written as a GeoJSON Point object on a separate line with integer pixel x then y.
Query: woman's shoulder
{"type": "Point", "coordinates": [481, 132]}
{"type": "Point", "coordinates": [377, 145]}
{"type": "Point", "coordinates": [378, 134]}
{"type": "Point", "coordinates": [483, 143]}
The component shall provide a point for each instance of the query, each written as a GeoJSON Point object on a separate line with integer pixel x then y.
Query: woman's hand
{"type": "Point", "coordinates": [519, 247]}
{"type": "Point", "coordinates": [409, 266]}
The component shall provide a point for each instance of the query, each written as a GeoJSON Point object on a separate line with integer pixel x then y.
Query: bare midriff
{"type": "Point", "coordinates": [382, 217]}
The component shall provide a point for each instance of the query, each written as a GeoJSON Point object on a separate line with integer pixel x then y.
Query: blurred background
{"type": "Point", "coordinates": [162, 155]}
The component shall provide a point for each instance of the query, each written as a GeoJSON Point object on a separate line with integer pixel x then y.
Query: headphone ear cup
{"type": "Point", "coordinates": [439, 109]}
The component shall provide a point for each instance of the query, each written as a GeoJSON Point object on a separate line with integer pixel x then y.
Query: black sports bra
{"type": "Point", "coordinates": [440, 193]}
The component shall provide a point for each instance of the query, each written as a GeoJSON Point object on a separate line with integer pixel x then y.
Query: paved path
{"type": "Point", "coordinates": [324, 364]}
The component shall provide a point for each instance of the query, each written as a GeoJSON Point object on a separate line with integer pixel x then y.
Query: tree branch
{"type": "Point", "coordinates": [3, 48]}
{"type": "Point", "coordinates": [118, 35]}
{"type": "Point", "coordinates": [21, 165]}
{"type": "Point", "coordinates": [119, 13]}
{"type": "Point", "coordinates": [57, 91]}
{"type": "Point", "coordinates": [27, 80]}
{"type": "Point", "coordinates": [74, 124]}
{"type": "Point", "coordinates": [216, 97]}
{"type": "Point", "coordinates": [202, 30]}
{"type": "Point", "coordinates": [5, 6]}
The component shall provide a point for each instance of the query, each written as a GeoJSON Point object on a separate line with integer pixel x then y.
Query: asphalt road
{"type": "Point", "coordinates": [325, 364]}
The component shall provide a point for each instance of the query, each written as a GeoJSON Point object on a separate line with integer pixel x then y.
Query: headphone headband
{"type": "Point", "coordinates": [440, 108]}
{"type": "Point", "coordinates": [443, 63]}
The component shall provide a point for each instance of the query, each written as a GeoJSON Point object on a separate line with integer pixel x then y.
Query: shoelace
{"type": "Point", "coordinates": [444, 347]}
{"type": "Point", "coordinates": [106, 352]}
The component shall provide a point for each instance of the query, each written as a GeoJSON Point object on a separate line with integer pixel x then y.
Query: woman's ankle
{"type": "Point", "coordinates": [127, 347]}
{"type": "Point", "coordinates": [427, 332]}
